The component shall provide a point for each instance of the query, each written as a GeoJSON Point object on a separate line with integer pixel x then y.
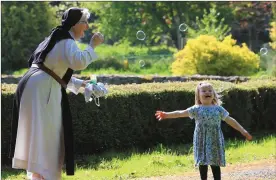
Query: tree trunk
{"type": "Point", "coordinates": [178, 34]}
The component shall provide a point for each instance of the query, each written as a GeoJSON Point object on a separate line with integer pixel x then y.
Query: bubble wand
{"type": "Point", "coordinates": [93, 80]}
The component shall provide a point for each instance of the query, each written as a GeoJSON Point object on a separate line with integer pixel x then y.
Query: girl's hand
{"type": "Point", "coordinates": [247, 135]}
{"type": "Point", "coordinates": [160, 115]}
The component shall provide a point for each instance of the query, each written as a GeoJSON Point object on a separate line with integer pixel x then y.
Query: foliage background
{"type": "Point", "coordinates": [24, 26]}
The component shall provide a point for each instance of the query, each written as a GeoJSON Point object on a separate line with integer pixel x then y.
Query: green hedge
{"type": "Point", "coordinates": [126, 116]}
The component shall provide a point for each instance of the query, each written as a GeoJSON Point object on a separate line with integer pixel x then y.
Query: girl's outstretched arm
{"type": "Point", "coordinates": [233, 123]}
{"type": "Point", "coordinates": [160, 115]}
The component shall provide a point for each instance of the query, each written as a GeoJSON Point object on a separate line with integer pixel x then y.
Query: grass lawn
{"type": "Point", "coordinates": [171, 160]}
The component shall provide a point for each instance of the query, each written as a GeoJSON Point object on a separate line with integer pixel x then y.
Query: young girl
{"type": "Point", "coordinates": [208, 142]}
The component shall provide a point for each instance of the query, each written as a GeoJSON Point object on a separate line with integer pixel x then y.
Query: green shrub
{"type": "Point", "coordinates": [208, 56]}
{"type": "Point", "coordinates": [210, 24]}
{"type": "Point", "coordinates": [126, 116]}
{"type": "Point", "coordinates": [268, 61]}
{"type": "Point", "coordinates": [273, 71]}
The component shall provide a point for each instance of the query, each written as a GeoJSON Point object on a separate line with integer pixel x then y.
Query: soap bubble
{"type": "Point", "coordinates": [263, 51]}
{"type": "Point", "coordinates": [183, 27]}
{"type": "Point", "coordinates": [142, 63]}
{"type": "Point", "coordinates": [141, 35]}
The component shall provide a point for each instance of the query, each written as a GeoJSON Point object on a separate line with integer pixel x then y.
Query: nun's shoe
{"type": "Point", "coordinates": [31, 177]}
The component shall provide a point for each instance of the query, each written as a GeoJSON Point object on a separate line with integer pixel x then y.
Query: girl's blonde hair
{"type": "Point", "coordinates": [216, 100]}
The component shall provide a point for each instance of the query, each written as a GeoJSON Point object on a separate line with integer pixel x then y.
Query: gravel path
{"type": "Point", "coordinates": [260, 170]}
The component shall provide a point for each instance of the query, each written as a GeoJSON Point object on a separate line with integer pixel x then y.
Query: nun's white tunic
{"type": "Point", "coordinates": [39, 142]}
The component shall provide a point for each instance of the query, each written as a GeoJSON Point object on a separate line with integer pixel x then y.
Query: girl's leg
{"type": "Point", "coordinates": [216, 172]}
{"type": "Point", "coordinates": [203, 169]}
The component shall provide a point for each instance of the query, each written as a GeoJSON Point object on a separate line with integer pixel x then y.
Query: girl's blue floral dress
{"type": "Point", "coordinates": [208, 142]}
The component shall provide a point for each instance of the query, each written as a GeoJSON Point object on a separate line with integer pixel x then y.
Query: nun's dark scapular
{"type": "Point", "coordinates": [42, 123]}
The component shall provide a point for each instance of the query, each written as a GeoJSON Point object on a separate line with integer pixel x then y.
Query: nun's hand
{"type": "Point", "coordinates": [84, 83]}
{"type": "Point", "coordinates": [96, 40]}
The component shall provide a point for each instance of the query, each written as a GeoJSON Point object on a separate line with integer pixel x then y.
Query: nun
{"type": "Point", "coordinates": [42, 132]}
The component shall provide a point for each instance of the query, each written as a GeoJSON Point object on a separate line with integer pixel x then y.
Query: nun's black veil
{"type": "Point", "coordinates": [69, 19]}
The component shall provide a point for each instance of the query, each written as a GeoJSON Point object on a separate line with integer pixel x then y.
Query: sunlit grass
{"type": "Point", "coordinates": [133, 70]}
{"type": "Point", "coordinates": [122, 50]}
{"type": "Point", "coordinates": [136, 69]}
{"type": "Point", "coordinates": [242, 151]}
{"type": "Point", "coordinates": [155, 63]}
{"type": "Point", "coordinates": [111, 71]}
{"type": "Point", "coordinates": [160, 58]}
{"type": "Point", "coordinates": [20, 72]}
{"type": "Point", "coordinates": [262, 75]}
{"type": "Point", "coordinates": [161, 160]}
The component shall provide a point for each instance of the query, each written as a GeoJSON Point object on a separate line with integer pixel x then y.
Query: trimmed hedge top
{"type": "Point", "coordinates": [131, 89]}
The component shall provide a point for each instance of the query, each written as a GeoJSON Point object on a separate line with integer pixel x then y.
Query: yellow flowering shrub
{"type": "Point", "coordinates": [206, 55]}
{"type": "Point", "coordinates": [272, 35]}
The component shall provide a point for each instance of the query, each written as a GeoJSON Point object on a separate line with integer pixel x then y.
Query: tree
{"type": "Point", "coordinates": [252, 20]}
{"type": "Point", "coordinates": [273, 9]}
{"type": "Point", "coordinates": [121, 20]}
{"type": "Point", "coordinates": [24, 25]}
{"type": "Point", "coordinates": [210, 24]}
{"type": "Point", "coordinates": [61, 6]}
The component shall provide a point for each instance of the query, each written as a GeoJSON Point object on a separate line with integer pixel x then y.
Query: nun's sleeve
{"type": "Point", "coordinates": [74, 85]}
{"type": "Point", "coordinates": [76, 58]}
